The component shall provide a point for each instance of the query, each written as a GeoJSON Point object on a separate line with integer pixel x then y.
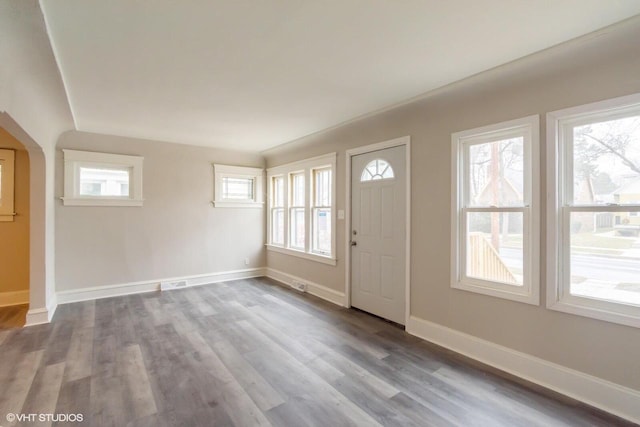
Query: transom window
{"type": "Point", "coordinates": [495, 228]}
{"type": "Point", "coordinates": [102, 179]}
{"type": "Point", "coordinates": [301, 209]}
{"type": "Point", "coordinates": [237, 186]}
{"type": "Point", "coordinates": [594, 227]}
{"type": "Point", "coordinates": [377, 169]}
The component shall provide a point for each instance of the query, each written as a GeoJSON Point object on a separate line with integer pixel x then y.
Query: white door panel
{"type": "Point", "coordinates": [378, 219]}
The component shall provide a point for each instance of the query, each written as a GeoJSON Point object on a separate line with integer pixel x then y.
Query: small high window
{"type": "Point", "coordinates": [377, 169]}
{"type": "Point", "coordinates": [101, 179]}
{"type": "Point", "coordinates": [237, 187]}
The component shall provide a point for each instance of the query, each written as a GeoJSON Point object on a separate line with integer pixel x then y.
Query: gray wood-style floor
{"type": "Point", "coordinates": [252, 353]}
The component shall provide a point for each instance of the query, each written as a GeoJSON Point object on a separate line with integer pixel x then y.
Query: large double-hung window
{"type": "Point", "coordinates": [593, 163]}
{"type": "Point", "coordinates": [495, 203]}
{"type": "Point", "coordinates": [301, 209]}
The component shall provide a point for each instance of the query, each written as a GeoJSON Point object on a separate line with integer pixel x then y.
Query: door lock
{"type": "Point", "coordinates": [354, 243]}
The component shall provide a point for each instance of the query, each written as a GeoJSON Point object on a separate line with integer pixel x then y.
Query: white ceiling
{"type": "Point", "coordinates": [250, 75]}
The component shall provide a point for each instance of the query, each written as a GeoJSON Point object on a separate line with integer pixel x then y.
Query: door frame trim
{"type": "Point", "coordinates": [402, 141]}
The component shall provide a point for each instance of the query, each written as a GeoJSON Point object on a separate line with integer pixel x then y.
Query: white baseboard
{"type": "Point", "coordinates": [320, 291]}
{"type": "Point", "coordinates": [98, 292]}
{"type": "Point", "coordinates": [14, 298]}
{"type": "Point", "coordinates": [39, 316]}
{"type": "Point", "coordinates": [610, 397]}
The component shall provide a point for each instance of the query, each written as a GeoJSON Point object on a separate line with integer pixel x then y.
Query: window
{"type": "Point", "coordinates": [7, 163]}
{"type": "Point", "coordinates": [495, 203]}
{"type": "Point", "coordinates": [593, 225]}
{"type": "Point", "coordinates": [277, 210]}
{"type": "Point", "coordinates": [297, 211]}
{"type": "Point", "coordinates": [237, 187]}
{"type": "Point", "coordinates": [100, 179]}
{"type": "Point", "coordinates": [322, 202]}
{"type": "Point", "coordinates": [301, 209]}
{"type": "Point", "coordinates": [377, 169]}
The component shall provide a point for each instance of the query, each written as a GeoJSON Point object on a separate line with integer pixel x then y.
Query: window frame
{"type": "Point", "coordinates": [7, 181]}
{"type": "Point", "coordinates": [278, 207]}
{"type": "Point", "coordinates": [293, 206]}
{"type": "Point", "coordinates": [307, 167]}
{"type": "Point", "coordinates": [220, 172]}
{"type": "Point", "coordinates": [559, 208]}
{"type": "Point", "coordinates": [529, 128]}
{"type": "Point", "coordinates": [74, 160]}
{"type": "Point", "coordinates": [315, 205]}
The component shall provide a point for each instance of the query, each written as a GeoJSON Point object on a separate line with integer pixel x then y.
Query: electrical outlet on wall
{"type": "Point", "coordinates": [246, 261]}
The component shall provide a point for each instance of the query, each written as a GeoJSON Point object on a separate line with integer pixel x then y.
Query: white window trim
{"type": "Point", "coordinates": [530, 291]}
{"type": "Point", "coordinates": [7, 211]}
{"type": "Point", "coordinates": [313, 206]}
{"type": "Point", "coordinates": [307, 165]}
{"type": "Point", "coordinates": [74, 160]}
{"type": "Point", "coordinates": [222, 171]}
{"type": "Point", "coordinates": [558, 295]}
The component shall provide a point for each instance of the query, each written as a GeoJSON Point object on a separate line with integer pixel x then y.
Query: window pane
{"type": "Point", "coordinates": [496, 173]}
{"type": "Point", "coordinates": [278, 191]}
{"type": "Point", "coordinates": [277, 226]}
{"type": "Point", "coordinates": [377, 169]}
{"type": "Point", "coordinates": [605, 256]}
{"type": "Point", "coordinates": [323, 187]}
{"type": "Point", "coordinates": [237, 188]}
{"type": "Point", "coordinates": [297, 189]}
{"type": "Point", "coordinates": [606, 158]}
{"type": "Point", "coordinates": [322, 230]}
{"type": "Point", "coordinates": [104, 182]}
{"type": "Point", "coordinates": [495, 247]}
{"type": "Point", "coordinates": [297, 228]}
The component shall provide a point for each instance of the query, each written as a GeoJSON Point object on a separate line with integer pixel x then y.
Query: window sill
{"type": "Point", "coordinates": [312, 257]}
{"type": "Point", "coordinates": [587, 308]}
{"type": "Point", "coordinates": [498, 293]}
{"type": "Point", "coordinates": [68, 201]}
{"type": "Point", "coordinates": [228, 204]}
{"type": "Point", "coordinates": [7, 217]}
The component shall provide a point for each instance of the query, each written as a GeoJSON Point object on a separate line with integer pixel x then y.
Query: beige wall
{"type": "Point", "coordinates": [176, 233]}
{"type": "Point", "coordinates": [14, 235]}
{"type": "Point", "coordinates": [584, 71]}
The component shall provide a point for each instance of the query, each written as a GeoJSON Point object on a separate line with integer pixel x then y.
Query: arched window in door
{"type": "Point", "coordinates": [377, 169]}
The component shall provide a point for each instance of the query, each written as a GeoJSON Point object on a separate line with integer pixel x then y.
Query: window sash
{"type": "Point", "coordinates": [463, 206]}
{"type": "Point", "coordinates": [527, 260]}
{"type": "Point", "coordinates": [560, 130]}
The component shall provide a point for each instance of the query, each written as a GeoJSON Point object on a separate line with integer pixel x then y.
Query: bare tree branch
{"type": "Point", "coordinates": [625, 160]}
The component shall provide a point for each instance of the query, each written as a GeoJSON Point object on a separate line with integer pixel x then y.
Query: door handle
{"type": "Point", "coordinates": [354, 243]}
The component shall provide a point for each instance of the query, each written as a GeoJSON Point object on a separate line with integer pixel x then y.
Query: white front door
{"type": "Point", "coordinates": [378, 224]}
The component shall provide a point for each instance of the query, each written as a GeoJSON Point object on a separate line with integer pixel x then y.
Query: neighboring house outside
{"type": "Point", "coordinates": [628, 193]}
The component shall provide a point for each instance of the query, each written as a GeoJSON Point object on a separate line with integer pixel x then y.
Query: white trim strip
{"type": "Point", "coordinates": [14, 298]}
{"type": "Point", "coordinates": [610, 397]}
{"type": "Point", "coordinates": [316, 289]}
{"type": "Point", "coordinates": [98, 292]}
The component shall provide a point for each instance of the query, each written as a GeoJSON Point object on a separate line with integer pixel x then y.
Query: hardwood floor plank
{"type": "Point", "coordinates": [44, 392]}
{"type": "Point", "coordinates": [16, 385]}
{"type": "Point", "coordinates": [80, 355]}
{"type": "Point", "coordinates": [139, 397]}
{"type": "Point", "coordinates": [260, 391]}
